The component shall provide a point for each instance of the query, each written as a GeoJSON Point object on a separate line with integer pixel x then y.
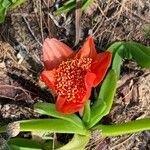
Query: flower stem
{"type": "Point", "coordinates": [124, 128]}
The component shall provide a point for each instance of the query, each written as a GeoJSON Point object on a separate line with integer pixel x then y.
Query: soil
{"type": "Point", "coordinates": [21, 38]}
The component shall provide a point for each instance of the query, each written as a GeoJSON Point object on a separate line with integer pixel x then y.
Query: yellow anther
{"type": "Point", "coordinates": [70, 78]}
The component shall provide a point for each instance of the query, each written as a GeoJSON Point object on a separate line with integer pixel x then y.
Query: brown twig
{"type": "Point", "coordinates": [78, 14]}
{"type": "Point", "coordinates": [32, 33]}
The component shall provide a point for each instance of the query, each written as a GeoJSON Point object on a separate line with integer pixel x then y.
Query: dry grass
{"type": "Point", "coordinates": [120, 20]}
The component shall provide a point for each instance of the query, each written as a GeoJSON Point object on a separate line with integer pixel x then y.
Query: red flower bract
{"type": "Point", "coordinates": [71, 75]}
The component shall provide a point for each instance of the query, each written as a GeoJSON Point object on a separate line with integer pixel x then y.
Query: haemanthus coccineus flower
{"type": "Point", "coordinates": [71, 75]}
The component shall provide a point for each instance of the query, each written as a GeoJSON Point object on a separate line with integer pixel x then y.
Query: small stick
{"type": "Point", "coordinates": [27, 23]}
{"type": "Point", "coordinates": [78, 14]}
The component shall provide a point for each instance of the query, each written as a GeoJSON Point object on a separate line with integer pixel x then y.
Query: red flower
{"type": "Point", "coordinates": [71, 75]}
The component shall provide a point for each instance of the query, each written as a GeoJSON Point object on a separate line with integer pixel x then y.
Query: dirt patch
{"type": "Point", "coordinates": [132, 103]}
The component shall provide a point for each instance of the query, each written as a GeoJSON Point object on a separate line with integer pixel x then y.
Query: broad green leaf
{"type": "Point", "coordinates": [13, 1]}
{"type": "Point", "coordinates": [116, 63]}
{"type": "Point", "coordinates": [87, 112]}
{"type": "Point", "coordinates": [3, 12]}
{"type": "Point", "coordinates": [105, 99]}
{"type": "Point", "coordinates": [139, 53]}
{"type": "Point", "coordinates": [129, 50]}
{"type": "Point", "coordinates": [124, 128]}
{"type": "Point", "coordinates": [15, 147]}
{"type": "Point", "coordinates": [96, 111]}
{"type": "Point", "coordinates": [120, 49]}
{"type": "Point", "coordinates": [114, 47]}
{"type": "Point", "coordinates": [49, 109]}
{"type": "Point", "coordinates": [78, 142]}
{"type": "Point", "coordinates": [145, 49]}
{"type": "Point", "coordinates": [108, 89]}
{"type": "Point", "coordinates": [51, 125]}
{"type": "Point", "coordinates": [24, 144]}
{"type": "Point", "coordinates": [6, 3]}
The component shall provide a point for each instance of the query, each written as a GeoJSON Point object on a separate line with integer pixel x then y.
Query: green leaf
{"type": "Point", "coordinates": [114, 47]}
{"type": "Point", "coordinates": [86, 4]}
{"type": "Point", "coordinates": [140, 53]}
{"type": "Point", "coordinates": [108, 89]}
{"type": "Point", "coordinates": [14, 1]}
{"type": "Point", "coordinates": [145, 49]}
{"type": "Point", "coordinates": [17, 3]}
{"type": "Point", "coordinates": [65, 8]}
{"type": "Point", "coordinates": [49, 145]}
{"type": "Point", "coordinates": [117, 62]}
{"type": "Point", "coordinates": [23, 144]}
{"type": "Point", "coordinates": [51, 125]}
{"type": "Point", "coordinates": [124, 128]}
{"type": "Point", "coordinates": [78, 142]}
{"type": "Point", "coordinates": [104, 101]}
{"type": "Point", "coordinates": [2, 129]}
{"type": "Point", "coordinates": [15, 147]}
{"type": "Point", "coordinates": [5, 3]}
{"type": "Point", "coordinates": [97, 109]}
{"type": "Point", "coordinates": [49, 109]}
{"type": "Point", "coordinates": [71, 5]}
{"type": "Point", "coordinates": [3, 12]}
{"type": "Point", "coordinates": [117, 58]}
{"type": "Point", "coordinates": [129, 50]}
{"type": "Point", "coordinates": [87, 112]}
{"type": "Point", "coordinates": [69, 2]}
